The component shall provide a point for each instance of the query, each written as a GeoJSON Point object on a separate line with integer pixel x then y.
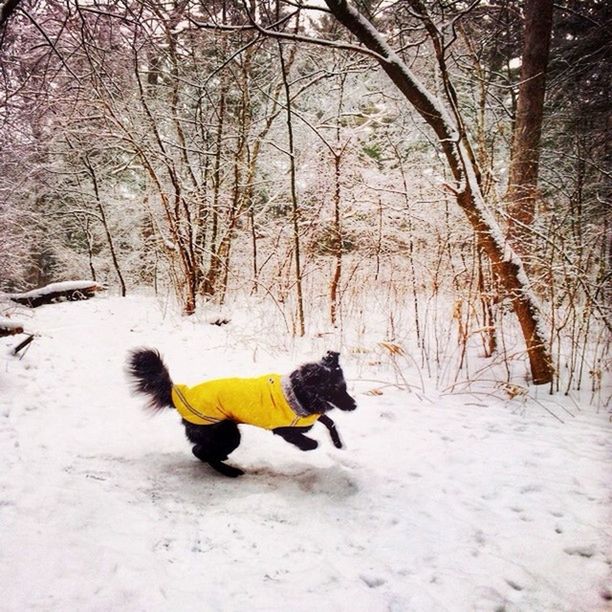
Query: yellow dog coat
{"type": "Point", "coordinates": [255, 401]}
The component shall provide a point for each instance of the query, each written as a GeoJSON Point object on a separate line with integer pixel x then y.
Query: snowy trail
{"type": "Point", "coordinates": [454, 505]}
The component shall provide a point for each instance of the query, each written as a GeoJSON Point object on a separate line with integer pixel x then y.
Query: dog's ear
{"type": "Point", "coordinates": [331, 359]}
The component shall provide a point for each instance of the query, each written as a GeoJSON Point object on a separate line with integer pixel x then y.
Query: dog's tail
{"type": "Point", "coordinates": [150, 377]}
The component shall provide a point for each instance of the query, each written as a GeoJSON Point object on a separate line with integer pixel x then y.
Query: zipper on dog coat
{"type": "Point", "coordinates": [254, 401]}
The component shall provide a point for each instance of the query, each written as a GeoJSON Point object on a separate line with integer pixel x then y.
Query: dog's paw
{"type": "Point", "coordinates": [308, 444]}
{"type": "Point", "coordinates": [226, 470]}
{"type": "Point", "coordinates": [232, 472]}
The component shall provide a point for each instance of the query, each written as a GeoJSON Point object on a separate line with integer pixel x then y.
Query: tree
{"type": "Point", "coordinates": [523, 176]}
{"type": "Point", "coordinates": [453, 139]}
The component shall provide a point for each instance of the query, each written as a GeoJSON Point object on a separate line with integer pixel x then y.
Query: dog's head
{"type": "Point", "coordinates": [320, 386]}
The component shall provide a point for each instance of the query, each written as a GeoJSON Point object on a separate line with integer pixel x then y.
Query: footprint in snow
{"type": "Point", "coordinates": [348, 463]}
{"type": "Point", "coordinates": [201, 547]}
{"type": "Point", "coordinates": [372, 581]}
{"type": "Point", "coordinates": [329, 482]}
{"type": "Point", "coordinates": [163, 544]}
{"type": "Point", "coordinates": [513, 584]}
{"type": "Point", "coordinates": [531, 488]}
{"type": "Point", "coordinates": [586, 551]}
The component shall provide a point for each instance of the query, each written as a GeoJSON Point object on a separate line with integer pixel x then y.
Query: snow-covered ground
{"type": "Point", "coordinates": [436, 503]}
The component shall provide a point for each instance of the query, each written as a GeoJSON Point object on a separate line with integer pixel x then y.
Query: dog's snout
{"type": "Point", "coordinates": [348, 405]}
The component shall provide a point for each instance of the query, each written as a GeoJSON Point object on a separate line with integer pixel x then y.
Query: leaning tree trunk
{"type": "Point", "coordinates": [523, 176]}
{"type": "Point", "coordinates": [506, 264]}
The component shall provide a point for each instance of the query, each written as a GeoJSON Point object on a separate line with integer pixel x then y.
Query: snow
{"type": "Point", "coordinates": [453, 503]}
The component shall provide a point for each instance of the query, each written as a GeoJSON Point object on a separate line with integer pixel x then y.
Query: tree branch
{"type": "Point", "coordinates": [322, 42]}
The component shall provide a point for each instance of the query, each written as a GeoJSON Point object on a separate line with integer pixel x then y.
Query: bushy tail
{"type": "Point", "coordinates": [150, 377]}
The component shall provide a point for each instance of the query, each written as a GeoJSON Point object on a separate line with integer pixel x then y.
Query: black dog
{"type": "Point", "coordinates": [287, 405]}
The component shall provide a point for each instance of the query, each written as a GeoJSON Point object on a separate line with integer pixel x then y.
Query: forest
{"type": "Point", "coordinates": [440, 166]}
{"type": "Point", "coordinates": [393, 212]}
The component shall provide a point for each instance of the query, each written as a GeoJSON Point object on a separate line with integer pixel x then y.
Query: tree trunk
{"type": "Point", "coordinates": [523, 175]}
{"type": "Point", "coordinates": [506, 264]}
{"type": "Point", "coordinates": [337, 245]}
{"type": "Point", "coordinates": [109, 237]}
{"type": "Point", "coordinates": [214, 267]}
{"type": "Point", "coordinates": [337, 231]}
{"type": "Point", "coordinates": [294, 198]}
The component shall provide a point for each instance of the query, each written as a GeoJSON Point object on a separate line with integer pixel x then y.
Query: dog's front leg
{"type": "Point", "coordinates": [333, 431]}
{"type": "Point", "coordinates": [294, 436]}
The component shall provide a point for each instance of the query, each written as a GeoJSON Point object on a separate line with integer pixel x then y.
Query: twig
{"type": "Point", "coordinates": [23, 345]}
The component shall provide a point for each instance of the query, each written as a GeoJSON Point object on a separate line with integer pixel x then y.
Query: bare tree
{"type": "Point", "coordinates": [294, 196]}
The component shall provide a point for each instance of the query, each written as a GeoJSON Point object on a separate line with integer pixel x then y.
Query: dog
{"type": "Point", "coordinates": [211, 411]}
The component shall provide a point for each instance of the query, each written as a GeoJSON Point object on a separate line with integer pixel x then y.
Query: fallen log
{"type": "Point", "coordinates": [57, 292]}
{"type": "Point", "coordinates": [8, 327]}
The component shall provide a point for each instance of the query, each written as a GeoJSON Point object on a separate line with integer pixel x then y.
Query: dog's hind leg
{"type": "Point", "coordinates": [213, 444]}
{"type": "Point", "coordinates": [216, 464]}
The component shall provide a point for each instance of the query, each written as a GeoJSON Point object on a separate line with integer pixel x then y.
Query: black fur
{"type": "Point", "coordinates": [333, 431]}
{"type": "Point", "coordinates": [295, 436]}
{"type": "Point", "coordinates": [150, 377]}
{"type": "Point", "coordinates": [213, 443]}
{"type": "Point", "coordinates": [319, 387]}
